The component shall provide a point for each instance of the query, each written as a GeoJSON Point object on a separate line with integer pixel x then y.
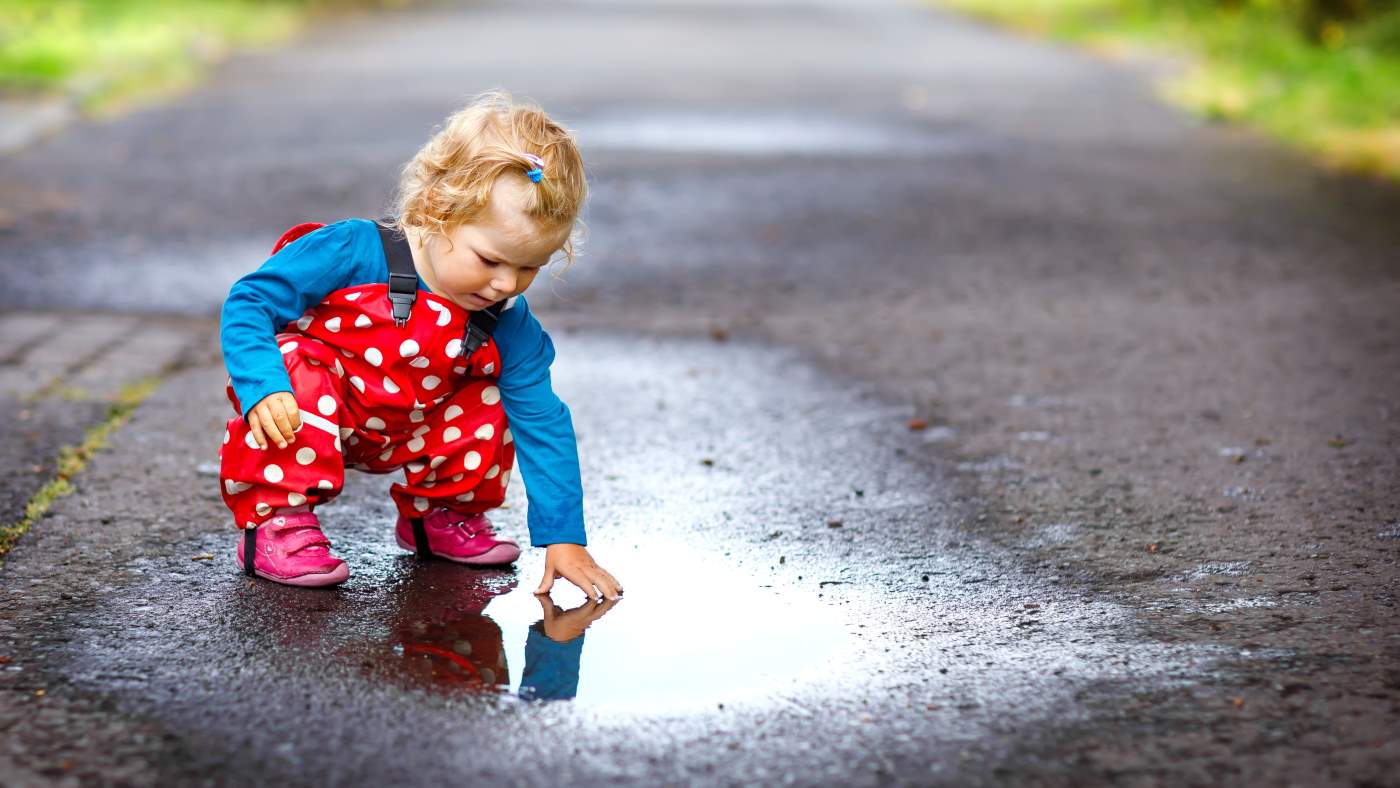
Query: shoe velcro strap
{"type": "Point", "coordinates": [250, 550]}
{"type": "Point", "coordinates": [302, 538]}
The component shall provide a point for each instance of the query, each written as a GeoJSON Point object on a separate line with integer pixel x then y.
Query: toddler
{"type": "Point", "coordinates": [405, 344]}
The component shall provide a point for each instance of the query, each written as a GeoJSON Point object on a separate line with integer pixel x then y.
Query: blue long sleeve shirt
{"type": "Point", "coordinates": [349, 253]}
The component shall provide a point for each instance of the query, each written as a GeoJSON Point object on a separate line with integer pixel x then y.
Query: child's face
{"type": "Point", "coordinates": [493, 258]}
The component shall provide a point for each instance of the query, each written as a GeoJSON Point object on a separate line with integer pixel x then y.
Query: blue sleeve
{"type": "Point", "coordinates": [546, 450]}
{"type": "Point", "coordinates": [551, 669]}
{"type": "Point", "coordinates": [296, 278]}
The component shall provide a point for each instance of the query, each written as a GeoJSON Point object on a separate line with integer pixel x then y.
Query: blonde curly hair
{"type": "Point", "coordinates": [448, 183]}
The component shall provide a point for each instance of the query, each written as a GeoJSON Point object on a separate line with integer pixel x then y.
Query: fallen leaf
{"type": "Point", "coordinates": [1152, 547]}
{"type": "Point", "coordinates": [1238, 702]}
{"type": "Point", "coordinates": [707, 462]}
{"type": "Point", "coordinates": [918, 424]}
{"type": "Point", "coordinates": [203, 557]}
{"type": "Point", "coordinates": [719, 333]}
{"type": "Point", "coordinates": [1338, 443]}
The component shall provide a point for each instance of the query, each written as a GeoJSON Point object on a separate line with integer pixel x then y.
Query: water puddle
{"type": "Point", "coordinates": [687, 636]}
{"type": "Point", "coordinates": [790, 133]}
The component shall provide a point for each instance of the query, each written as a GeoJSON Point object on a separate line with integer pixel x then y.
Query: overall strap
{"type": "Point", "coordinates": [403, 291]}
{"type": "Point", "coordinates": [403, 277]}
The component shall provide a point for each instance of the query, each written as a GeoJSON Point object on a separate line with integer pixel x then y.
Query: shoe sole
{"type": "Point", "coordinates": [500, 554]}
{"type": "Point", "coordinates": [334, 577]}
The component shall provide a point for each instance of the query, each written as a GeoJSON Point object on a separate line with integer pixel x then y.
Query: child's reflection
{"type": "Point", "coordinates": [444, 641]}
{"type": "Point", "coordinates": [554, 646]}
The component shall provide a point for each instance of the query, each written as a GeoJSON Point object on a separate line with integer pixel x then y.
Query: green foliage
{"type": "Point", "coordinates": [101, 47]}
{"type": "Point", "coordinates": [1324, 74]}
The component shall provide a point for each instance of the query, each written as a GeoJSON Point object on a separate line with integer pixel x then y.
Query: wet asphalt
{"type": "Point", "coordinates": [810, 224]}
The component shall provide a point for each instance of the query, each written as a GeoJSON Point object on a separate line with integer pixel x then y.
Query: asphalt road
{"type": "Point", "coordinates": [1149, 535]}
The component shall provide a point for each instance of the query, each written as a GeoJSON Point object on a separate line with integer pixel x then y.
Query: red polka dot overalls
{"type": "Point", "coordinates": [377, 397]}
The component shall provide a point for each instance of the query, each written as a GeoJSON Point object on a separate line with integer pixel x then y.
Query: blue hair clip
{"type": "Point", "coordinates": [537, 174]}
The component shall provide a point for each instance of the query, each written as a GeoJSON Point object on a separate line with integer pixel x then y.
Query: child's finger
{"type": "Point", "coordinates": [581, 580]}
{"type": "Point", "coordinates": [546, 582]}
{"type": "Point", "coordinates": [255, 427]}
{"type": "Point", "coordinates": [604, 582]}
{"type": "Point", "coordinates": [293, 412]}
{"type": "Point", "coordinates": [283, 424]}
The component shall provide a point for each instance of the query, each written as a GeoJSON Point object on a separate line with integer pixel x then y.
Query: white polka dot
{"type": "Point", "coordinates": [505, 480]}
{"type": "Point", "coordinates": [386, 454]}
{"type": "Point", "coordinates": [288, 347]}
{"type": "Point", "coordinates": [466, 496]}
{"type": "Point", "coordinates": [345, 431]}
{"type": "Point", "coordinates": [250, 525]}
{"type": "Point", "coordinates": [416, 467]}
{"type": "Point", "coordinates": [362, 321]}
{"type": "Point", "coordinates": [374, 423]}
{"type": "Point", "coordinates": [459, 370]}
{"type": "Point", "coordinates": [354, 441]}
{"type": "Point", "coordinates": [453, 348]}
{"type": "Point", "coordinates": [488, 369]}
{"type": "Point", "coordinates": [507, 437]}
{"type": "Point", "coordinates": [431, 382]}
{"type": "Point", "coordinates": [443, 315]}
{"type": "Point", "coordinates": [339, 370]}
{"type": "Point", "coordinates": [420, 504]}
{"type": "Point", "coordinates": [419, 432]}
{"type": "Point", "coordinates": [451, 434]}
{"type": "Point", "coordinates": [357, 383]}
{"type": "Point", "coordinates": [227, 436]}
{"type": "Point", "coordinates": [408, 348]}
{"type": "Point", "coordinates": [273, 473]}
{"type": "Point", "coordinates": [326, 404]}
{"type": "Point", "coordinates": [472, 461]}
{"type": "Point", "coordinates": [304, 322]}
{"type": "Point", "coordinates": [295, 499]}
{"type": "Point", "coordinates": [234, 487]}
{"type": "Point", "coordinates": [306, 455]}
{"type": "Point", "coordinates": [428, 482]}
{"type": "Point", "coordinates": [416, 415]}
{"type": "Point", "coordinates": [457, 477]}
{"type": "Point", "coordinates": [490, 395]}
{"type": "Point", "coordinates": [248, 439]}
{"type": "Point", "coordinates": [495, 470]}
{"type": "Point", "coordinates": [352, 296]}
{"type": "Point", "coordinates": [374, 357]}
{"type": "Point", "coordinates": [436, 461]}
{"type": "Point", "coordinates": [415, 445]}
{"type": "Point", "coordinates": [452, 412]}
{"type": "Point", "coordinates": [390, 386]}
{"type": "Point", "coordinates": [337, 445]}
{"type": "Point", "coordinates": [333, 325]}
{"type": "Point", "coordinates": [485, 432]}
{"type": "Point", "coordinates": [419, 362]}
{"type": "Point", "coordinates": [262, 508]}
{"type": "Point", "coordinates": [325, 484]}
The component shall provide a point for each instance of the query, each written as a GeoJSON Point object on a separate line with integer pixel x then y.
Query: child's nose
{"type": "Point", "coordinates": [505, 281]}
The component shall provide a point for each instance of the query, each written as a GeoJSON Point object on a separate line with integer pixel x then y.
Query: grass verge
{"type": "Point", "coordinates": [73, 459]}
{"type": "Point", "coordinates": [1337, 97]}
{"type": "Point", "coordinates": [105, 54]}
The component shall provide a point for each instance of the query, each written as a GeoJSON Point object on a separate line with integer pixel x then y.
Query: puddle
{"type": "Point", "coordinates": [794, 133]}
{"type": "Point", "coordinates": [685, 636]}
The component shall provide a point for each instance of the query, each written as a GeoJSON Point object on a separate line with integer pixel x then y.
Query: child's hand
{"type": "Point", "coordinates": [276, 416]}
{"type": "Point", "coordinates": [562, 625]}
{"type": "Point", "coordinates": [573, 563]}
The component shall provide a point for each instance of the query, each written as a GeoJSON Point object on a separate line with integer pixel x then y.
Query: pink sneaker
{"type": "Point", "coordinates": [291, 549]}
{"type": "Point", "coordinates": [464, 538]}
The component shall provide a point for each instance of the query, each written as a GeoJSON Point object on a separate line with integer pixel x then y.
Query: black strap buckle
{"type": "Point", "coordinates": [403, 291]}
{"type": "Point", "coordinates": [475, 338]}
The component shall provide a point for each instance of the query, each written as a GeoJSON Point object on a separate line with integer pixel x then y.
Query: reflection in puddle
{"type": "Point", "coordinates": [691, 632]}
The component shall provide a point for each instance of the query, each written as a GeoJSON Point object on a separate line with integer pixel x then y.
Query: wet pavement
{"type": "Point", "coordinates": [1148, 535]}
{"type": "Point", "coordinates": [750, 617]}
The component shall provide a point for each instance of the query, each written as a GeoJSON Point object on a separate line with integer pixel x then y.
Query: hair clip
{"type": "Point", "coordinates": [537, 174]}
